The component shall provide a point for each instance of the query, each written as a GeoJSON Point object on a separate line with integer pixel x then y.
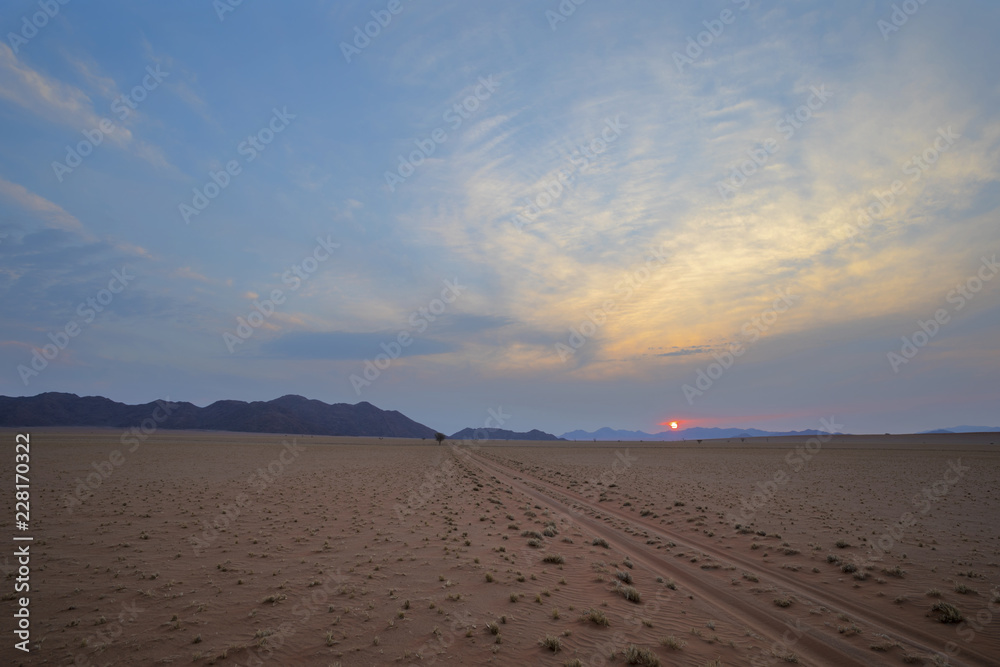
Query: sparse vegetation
{"type": "Point", "coordinates": [600, 542]}
{"type": "Point", "coordinates": [629, 593]}
{"type": "Point", "coordinates": [551, 643]}
{"type": "Point", "coordinates": [596, 616]}
{"type": "Point", "coordinates": [673, 643]}
{"type": "Point", "coordinates": [948, 613]}
{"type": "Point", "coordinates": [636, 655]}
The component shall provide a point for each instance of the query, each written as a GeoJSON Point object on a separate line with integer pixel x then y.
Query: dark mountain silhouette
{"type": "Point", "coordinates": [501, 434]}
{"type": "Point", "coordinates": [966, 429]}
{"type": "Point", "coordinates": [288, 414]}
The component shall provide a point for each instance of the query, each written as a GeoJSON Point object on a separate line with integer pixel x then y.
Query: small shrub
{"type": "Point", "coordinates": [624, 576]}
{"type": "Point", "coordinates": [550, 642]}
{"type": "Point", "coordinates": [600, 542]}
{"type": "Point", "coordinates": [672, 643]}
{"type": "Point", "coordinates": [783, 602]}
{"type": "Point", "coordinates": [597, 616]}
{"type": "Point", "coordinates": [635, 655]}
{"type": "Point", "coordinates": [553, 558]}
{"type": "Point", "coordinates": [629, 593]}
{"type": "Point", "coordinates": [949, 613]}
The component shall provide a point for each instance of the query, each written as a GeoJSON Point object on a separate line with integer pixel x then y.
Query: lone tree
{"type": "Point", "coordinates": [440, 437]}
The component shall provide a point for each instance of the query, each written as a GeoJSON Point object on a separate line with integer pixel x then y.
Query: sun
{"type": "Point", "coordinates": [673, 424]}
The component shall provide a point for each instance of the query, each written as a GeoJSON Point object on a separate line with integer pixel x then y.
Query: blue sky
{"type": "Point", "coordinates": [646, 211]}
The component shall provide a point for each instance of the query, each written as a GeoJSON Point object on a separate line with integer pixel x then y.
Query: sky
{"type": "Point", "coordinates": [740, 213]}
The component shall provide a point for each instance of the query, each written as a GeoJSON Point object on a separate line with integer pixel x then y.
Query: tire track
{"type": "Point", "coordinates": [819, 647]}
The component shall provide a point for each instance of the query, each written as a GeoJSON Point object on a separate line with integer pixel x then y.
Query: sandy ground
{"type": "Point", "coordinates": [235, 549]}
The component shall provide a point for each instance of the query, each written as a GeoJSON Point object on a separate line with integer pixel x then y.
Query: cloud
{"type": "Point", "coordinates": [53, 214]}
{"type": "Point", "coordinates": [69, 106]}
{"type": "Point", "coordinates": [342, 345]}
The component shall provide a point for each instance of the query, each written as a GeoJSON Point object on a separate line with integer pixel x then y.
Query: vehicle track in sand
{"type": "Point", "coordinates": [818, 644]}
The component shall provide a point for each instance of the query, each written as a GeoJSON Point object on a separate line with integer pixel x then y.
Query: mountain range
{"type": "Point", "coordinates": [502, 434]}
{"type": "Point", "coordinates": [298, 415]}
{"type": "Point", "coordinates": [288, 414]}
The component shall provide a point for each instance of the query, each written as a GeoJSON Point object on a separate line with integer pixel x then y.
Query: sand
{"type": "Point", "coordinates": [237, 549]}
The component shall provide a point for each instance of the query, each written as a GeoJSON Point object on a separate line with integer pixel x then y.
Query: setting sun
{"type": "Point", "coordinates": [673, 424]}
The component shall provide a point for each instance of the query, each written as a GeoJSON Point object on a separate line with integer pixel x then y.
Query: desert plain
{"type": "Point", "coordinates": [201, 548]}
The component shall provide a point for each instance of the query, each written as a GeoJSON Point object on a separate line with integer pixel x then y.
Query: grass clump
{"type": "Point", "coordinates": [673, 643]}
{"type": "Point", "coordinates": [600, 542]}
{"type": "Point", "coordinates": [629, 593]}
{"type": "Point", "coordinates": [596, 616]}
{"type": "Point", "coordinates": [553, 558]}
{"type": "Point", "coordinates": [636, 655]}
{"type": "Point", "coordinates": [550, 642]}
{"type": "Point", "coordinates": [624, 576]}
{"type": "Point", "coordinates": [949, 613]}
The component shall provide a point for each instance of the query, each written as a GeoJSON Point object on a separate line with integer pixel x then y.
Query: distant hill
{"type": "Point", "coordinates": [288, 414]}
{"type": "Point", "coordinates": [966, 429]}
{"type": "Point", "coordinates": [695, 433]}
{"type": "Point", "coordinates": [502, 434]}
